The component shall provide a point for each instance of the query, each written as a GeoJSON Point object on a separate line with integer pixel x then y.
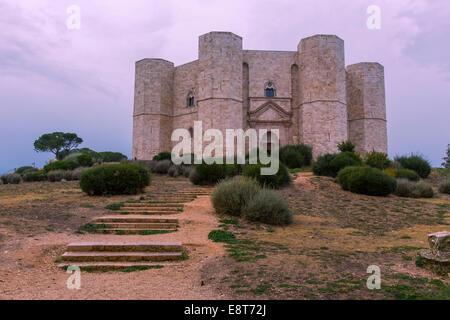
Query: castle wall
{"type": "Point", "coordinates": [367, 107]}
{"type": "Point", "coordinates": [152, 123]}
{"type": "Point", "coordinates": [323, 111]}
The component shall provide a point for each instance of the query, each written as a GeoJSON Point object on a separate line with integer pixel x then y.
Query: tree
{"type": "Point", "coordinates": [58, 143]}
{"type": "Point", "coordinates": [446, 163]}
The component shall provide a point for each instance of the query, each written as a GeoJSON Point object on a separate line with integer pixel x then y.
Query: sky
{"type": "Point", "coordinates": [56, 78]}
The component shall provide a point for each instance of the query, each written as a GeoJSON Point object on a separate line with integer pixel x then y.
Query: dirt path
{"type": "Point", "coordinates": [28, 270]}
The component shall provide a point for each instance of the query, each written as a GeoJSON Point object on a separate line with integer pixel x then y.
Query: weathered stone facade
{"type": "Point", "coordinates": [312, 97]}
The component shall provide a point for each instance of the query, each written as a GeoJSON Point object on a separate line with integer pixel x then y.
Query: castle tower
{"type": "Point", "coordinates": [152, 124]}
{"type": "Point", "coordinates": [367, 107]}
{"type": "Point", "coordinates": [220, 81]}
{"type": "Point", "coordinates": [323, 106]}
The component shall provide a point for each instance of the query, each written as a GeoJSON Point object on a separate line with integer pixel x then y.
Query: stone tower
{"type": "Point", "coordinates": [220, 81]}
{"type": "Point", "coordinates": [367, 107]}
{"type": "Point", "coordinates": [323, 106]}
{"type": "Point", "coordinates": [152, 116]}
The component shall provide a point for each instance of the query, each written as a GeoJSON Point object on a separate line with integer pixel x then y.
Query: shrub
{"type": "Point", "coordinates": [25, 172]}
{"type": "Point", "coordinates": [35, 176]}
{"type": "Point", "coordinates": [378, 160]}
{"type": "Point", "coordinates": [12, 178]}
{"type": "Point", "coordinates": [85, 160]}
{"type": "Point", "coordinates": [390, 171]}
{"type": "Point", "coordinates": [346, 146]}
{"type": "Point", "coordinates": [366, 180]}
{"type": "Point", "coordinates": [163, 156]}
{"type": "Point", "coordinates": [268, 206]}
{"type": "Point", "coordinates": [60, 165]}
{"type": "Point", "coordinates": [411, 189]}
{"type": "Point", "coordinates": [124, 178]}
{"type": "Point", "coordinates": [24, 168]}
{"type": "Point", "coordinates": [207, 174]}
{"type": "Point", "coordinates": [76, 173]}
{"type": "Point", "coordinates": [291, 158]}
{"type": "Point", "coordinates": [162, 166]}
{"type": "Point", "coordinates": [407, 174]}
{"type": "Point", "coordinates": [416, 163]}
{"type": "Point", "coordinates": [230, 196]}
{"type": "Point", "coordinates": [186, 170]}
{"type": "Point", "coordinates": [56, 175]}
{"type": "Point", "coordinates": [444, 187]}
{"type": "Point", "coordinates": [275, 181]}
{"type": "Point", "coordinates": [174, 171]}
{"type": "Point", "coordinates": [344, 159]}
{"type": "Point", "coordinates": [321, 166]}
{"type": "Point", "coordinates": [221, 236]}
{"type": "Point", "coordinates": [108, 156]}
{"type": "Point", "coordinates": [296, 156]}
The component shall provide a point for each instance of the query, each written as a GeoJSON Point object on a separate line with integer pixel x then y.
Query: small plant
{"type": "Point", "coordinates": [366, 180]}
{"type": "Point", "coordinates": [85, 160]}
{"type": "Point", "coordinates": [21, 170]}
{"type": "Point", "coordinates": [163, 156]}
{"type": "Point", "coordinates": [446, 163]}
{"type": "Point", "coordinates": [444, 187]}
{"type": "Point", "coordinates": [415, 162]}
{"type": "Point", "coordinates": [378, 160]}
{"type": "Point", "coordinates": [411, 189]}
{"type": "Point", "coordinates": [35, 176]}
{"type": "Point", "coordinates": [407, 174]}
{"type": "Point", "coordinates": [269, 207]}
{"type": "Point", "coordinates": [322, 165]}
{"type": "Point", "coordinates": [76, 173]}
{"type": "Point", "coordinates": [231, 196]}
{"type": "Point", "coordinates": [208, 174]}
{"type": "Point", "coordinates": [162, 166]}
{"type": "Point", "coordinates": [296, 156]}
{"type": "Point", "coordinates": [346, 146]}
{"type": "Point", "coordinates": [275, 181]}
{"type": "Point", "coordinates": [60, 165]}
{"type": "Point", "coordinates": [56, 175]}
{"type": "Point", "coordinates": [114, 206]}
{"type": "Point", "coordinates": [221, 236]}
{"type": "Point", "coordinates": [124, 178]}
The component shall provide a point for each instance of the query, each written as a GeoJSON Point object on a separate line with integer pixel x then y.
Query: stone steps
{"type": "Point", "coordinates": [150, 204]}
{"type": "Point", "coordinates": [151, 212]}
{"type": "Point", "coordinates": [142, 226]}
{"type": "Point", "coordinates": [144, 207]}
{"type": "Point", "coordinates": [109, 266]}
{"type": "Point", "coordinates": [121, 255]}
{"type": "Point", "coordinates": [135, 219]}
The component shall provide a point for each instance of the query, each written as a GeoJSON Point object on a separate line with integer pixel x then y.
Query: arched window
{"type": "Point", "coordinates": [190, 101]}
{"type": "Point", "coordinates": [269, 89]}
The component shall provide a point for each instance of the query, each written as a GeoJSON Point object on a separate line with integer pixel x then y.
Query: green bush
{"type": "Point", "coordinates": [344, 159]}
{"type": "Point", "coordinates": [276, 181]}
{"type": "Point", "coordinates": [207, 174]}
{"type": "Point", "coordinates": [108, 156]}
{"type": "Point", "coordinates": [366, 180]}
{"type": "Point", "coordinates": [162, 166]}
{"type": "Point", "coordinates": [85, 160]}
{"type": "Point", "coordinates": [291, 158]}
{"type": "Point", "coordinates": [330, 164]}
{"type": "Point", "coordinates": [296, 156]}
{"type": "Point", "coordinates": [230, 196]}
{"type": "Point", "coordinates": [11, 178]}
{"type": "Point", "coordinates": [411, 189]}
{"type": "Point", "coordinates": [346, 146]}
{"type": "Point", "coordinates": [76, 173]}
{"type": "Point", "coordinates": [35, 176]}
{"type": "Point", "coordinates": [24, 168]}
{"type": "Point", "coordinates": [124, 178]}
{"type": "Point", "coordinates": [163, 156]}
{"type": "Point", "coordinates": [378, 160]}
{"type": "Point", "coordinates": [444, 187]}
{"type": "Point", "coordinates": [60, 165]}
{"type": "Point", "coordinates": [175, 171]}
{"type": "Point", "coordinates": [407, 174]}
{"type": "Point", "coordinates": [56, 175]}
{"type": "Point", "coordinates": [267, 206]}
{"type": "Point", "coordinates": [416, 163]}
{"type": "Point", "coordinates": [321, 166]}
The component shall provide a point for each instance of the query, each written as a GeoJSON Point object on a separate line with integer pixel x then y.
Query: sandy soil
{"type": "Point", "coordinates": [28, 270]}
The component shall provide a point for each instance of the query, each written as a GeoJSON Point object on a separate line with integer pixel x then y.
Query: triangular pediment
{"type": "Point", "coordinates": [269, 112]}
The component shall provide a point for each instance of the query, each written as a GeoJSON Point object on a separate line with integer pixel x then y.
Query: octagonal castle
{"type": "Point", "coordinates": [308, 95]}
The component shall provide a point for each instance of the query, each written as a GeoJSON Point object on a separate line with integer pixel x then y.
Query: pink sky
{"type": "Point", "coordinates": [56, 79]}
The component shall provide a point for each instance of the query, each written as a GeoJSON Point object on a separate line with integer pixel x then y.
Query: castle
{"type": "Point", "coordinates": [309, 95]}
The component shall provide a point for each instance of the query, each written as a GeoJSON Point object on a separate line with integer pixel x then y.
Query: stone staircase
{"type": "Point", "coordinates": [156, 213]}
{"type": "Point", "coordinates": [121, 255]}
